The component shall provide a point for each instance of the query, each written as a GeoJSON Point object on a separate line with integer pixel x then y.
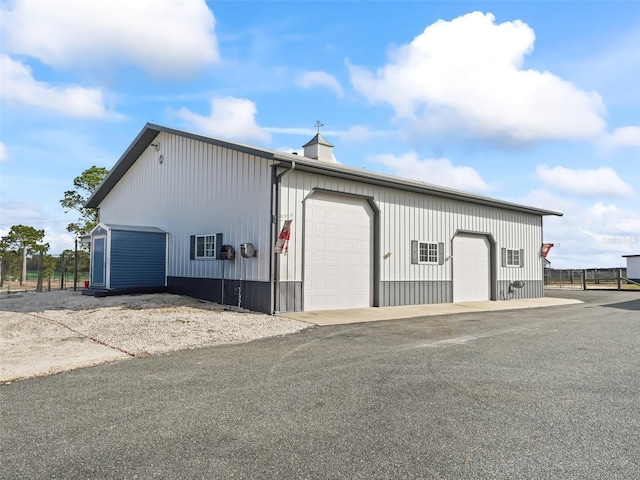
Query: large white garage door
{"type": "Point", "coordinates": [338, 253]}
{"type": "Point", "coordinates": [471, 268]}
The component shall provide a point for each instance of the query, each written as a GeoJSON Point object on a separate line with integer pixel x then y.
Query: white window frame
{"type": "Point", "coordinates": [512, 257]}
{"type": "Point", "coordinates": [430, 254]}
{"type": "Point", "coordinates": [208, 240]}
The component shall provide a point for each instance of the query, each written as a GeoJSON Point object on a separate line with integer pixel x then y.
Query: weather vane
{"type": "Point", "coordinates": [318, 124]}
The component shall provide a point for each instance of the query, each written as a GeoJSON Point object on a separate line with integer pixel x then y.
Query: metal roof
{"type": "Point", "coordinates": [317, 139]}
{"type": "Point", "coordinates": [150, 131]}
{"type": "Point", "coordinates": [128, 228]}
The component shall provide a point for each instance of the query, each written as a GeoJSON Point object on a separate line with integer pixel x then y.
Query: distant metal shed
{"type": "Point", "coordinates": [125, 257]}
{"type": "Point", "coordinates": [633, 267]}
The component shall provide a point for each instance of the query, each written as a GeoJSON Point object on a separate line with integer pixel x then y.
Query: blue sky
{"type": "Point", "coordinates": [531, 102]}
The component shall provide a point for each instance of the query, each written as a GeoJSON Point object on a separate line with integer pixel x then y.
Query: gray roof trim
{"type": "Point", "coordinates": [146, 136]}
{"type": "Point", "coordinates": [129, 228]}
{"type": "Point", "coordinates": [380, 179]}
{"type": "Point", "coordinates": [150, 131]}
{"type": "Point", "coordinates": [630, 256]}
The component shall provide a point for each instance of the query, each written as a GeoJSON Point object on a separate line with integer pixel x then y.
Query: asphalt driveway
{"type": "Point", "coordinates": [541, 393]}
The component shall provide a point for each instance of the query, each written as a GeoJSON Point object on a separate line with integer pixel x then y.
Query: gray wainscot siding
{"type": "Point", "coordinates": [289, 297]}
{"type": "Point", "coordinates": [531, 289]}
{"type": "Point", "coordinates": [255, 296]}
{"type": "Point", "coordinates": [396, 293]}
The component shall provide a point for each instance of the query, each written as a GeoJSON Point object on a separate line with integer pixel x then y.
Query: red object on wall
{"type": "Point", "coordinates": [545, 249]}
{"type": "Point", "coordinates": [282, 245]}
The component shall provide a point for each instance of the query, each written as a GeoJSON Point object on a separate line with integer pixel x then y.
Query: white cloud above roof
{"type": "Point", "coordinates": [19, 87]}
{"type": "Point", "coordinates": [230, 118]}
{"type": "Point", "coordinates": [623, 137]}
{"type": "Point", "coordinates": [437, 171]}
{"type": "Point", "coordinates": [320, 79]}
{"type": "Point", "coordinates": [584, 182]}
{"type": "Point", "coordinates": [467, 74]}
{"type": "Point", "coordinates": [166, 37]}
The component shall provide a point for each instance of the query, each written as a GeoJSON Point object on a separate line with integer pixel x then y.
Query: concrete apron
{"type": "Point", "coordinates": [374, 314]}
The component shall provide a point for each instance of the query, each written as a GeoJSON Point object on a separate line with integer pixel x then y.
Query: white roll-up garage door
{"type": "Point", "coordinates": [471, 268]}
{"type": "Point", "coordinates": [338, 253]}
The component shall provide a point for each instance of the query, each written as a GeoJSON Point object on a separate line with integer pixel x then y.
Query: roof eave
{"type": "Point", "coordinates": [410, 185]}
{"type": "Point", "coordinates": [142, 142]}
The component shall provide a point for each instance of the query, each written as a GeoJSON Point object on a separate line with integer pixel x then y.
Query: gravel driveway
{"type": "Point", "coordinates": [51, 332]}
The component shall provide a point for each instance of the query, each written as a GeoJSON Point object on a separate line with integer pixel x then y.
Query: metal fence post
{"type": "Point", "coordinates": [584, 279]}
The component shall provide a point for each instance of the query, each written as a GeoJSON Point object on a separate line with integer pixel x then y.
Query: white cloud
{"type": "Point", "coordinates": [467, 74]}
{"type": "Point", "coordinates": [590, 183]}
{"type": "Point", "coordinates": [166, 37]}
{"type": "Point", "coordinates": [362, 134]}
{"type": "Point", "coordinates": [19, 87]}
{"type": "Point", "coordinates": [588, 235]}
{"type": "Point", "coordinates": [4, 155]}
{"type": "Point", "coordinates": [230, 118]}
{"type": "Point", "coordinates": [623, 137]}
{"type": "Point", "coordinates": [320, 79]}
{"type": "Point", "coordinates": [437, 171]}
{"type": "Point", "coordinates": [297, 151]}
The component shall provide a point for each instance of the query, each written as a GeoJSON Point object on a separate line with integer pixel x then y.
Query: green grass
{"type": "Point", "coordinates": [32, 276]}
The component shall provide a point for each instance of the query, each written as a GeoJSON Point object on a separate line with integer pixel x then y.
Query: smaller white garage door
{"type": "Point", "coordinates": [471, 268]}
{"type": "Point", "coordinates": [338, 253]}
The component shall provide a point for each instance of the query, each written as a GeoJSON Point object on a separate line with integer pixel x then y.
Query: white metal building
{"type": "Point", "coordinates": [633, 267]}
{"type": "Point", "coordinates": [355, 239]}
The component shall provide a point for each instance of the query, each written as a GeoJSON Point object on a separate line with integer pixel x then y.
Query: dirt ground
{"type": "Point", "coordinates": [51, 332]}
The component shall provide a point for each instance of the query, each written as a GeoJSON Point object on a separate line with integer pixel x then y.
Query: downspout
{"type": "Point", "coordinates": [275, 211]}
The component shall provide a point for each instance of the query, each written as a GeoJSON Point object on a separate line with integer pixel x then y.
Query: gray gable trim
{"type": "Point", "coordinates": [133, 228]}
{"type": "Point", "coordinates": [126, 228]}
{"type": "Point", "coordinates": [142, 142]}
{"type": "Point", "coordinates": [150, 131]}
{"type": "Point", "coordinates": [389, 181]}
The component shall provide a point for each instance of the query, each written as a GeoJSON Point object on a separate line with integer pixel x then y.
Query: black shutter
{"type": "Point", "coordinates": [440, 253]}
{"type": "Point", "coordinates": [414, 251]}
{"type": "Point", "coordinates": [218, 245]}
{"type": "Point", "coordinates": [504, 257]}
{"type": "Point", "coordinates": [521, 258]}
{"type": "Point", "coordinates": [192, 247]}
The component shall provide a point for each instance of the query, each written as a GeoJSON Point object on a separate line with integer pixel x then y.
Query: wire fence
{"type": "Point", "coordinates": [589, 279]}
{"type": "Point", "coordinates": [62, 273]}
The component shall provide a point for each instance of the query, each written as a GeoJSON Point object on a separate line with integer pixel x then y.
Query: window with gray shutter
{"type": "Point", "coordinates": [427, 252]}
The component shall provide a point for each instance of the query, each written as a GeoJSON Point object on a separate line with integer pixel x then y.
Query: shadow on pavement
{"type": "Point", "coordinates": [631, 305]}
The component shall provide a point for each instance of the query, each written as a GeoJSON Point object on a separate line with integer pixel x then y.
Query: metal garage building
{"type": "Point", "coordinates": [344, 237]}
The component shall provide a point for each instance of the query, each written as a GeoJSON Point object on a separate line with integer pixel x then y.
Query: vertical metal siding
{"type": "Point", "coordinates": [406, 216]}
{"type": "Point", "coordinates": [137, 259]}
{"type": "Point", "coordinates": [198, 189]}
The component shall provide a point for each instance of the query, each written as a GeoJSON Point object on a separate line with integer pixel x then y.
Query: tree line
{"type": "Point", "coordinates": [25, 245]}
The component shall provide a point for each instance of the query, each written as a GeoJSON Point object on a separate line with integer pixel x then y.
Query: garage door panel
{"type": "Point", "coordinates": [471, 268]}
{"type": "Point", "coordinates": [338, 253]}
